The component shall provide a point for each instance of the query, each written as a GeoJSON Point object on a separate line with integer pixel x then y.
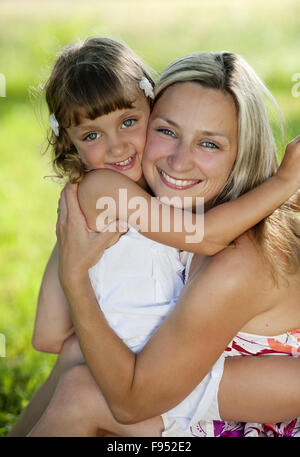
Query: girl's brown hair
{"type": "Point", "coordinates": [89, 79]}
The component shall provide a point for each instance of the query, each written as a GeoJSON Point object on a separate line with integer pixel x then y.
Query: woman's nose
{"type": "Point", "coordinates": [180, 159]}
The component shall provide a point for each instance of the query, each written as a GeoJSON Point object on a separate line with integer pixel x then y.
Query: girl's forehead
{"type": "Point", "coordinates": [82, 118]}
{"type": "Point", "coordinates": [92, 102]}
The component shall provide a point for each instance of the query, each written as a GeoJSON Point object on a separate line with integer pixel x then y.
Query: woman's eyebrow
{"type": "Point", "coordinates": [203, 132]}
{"type": "Point", "coordinates": [209, 133]}
{"type": "Point", "coordinates": [169, 121]}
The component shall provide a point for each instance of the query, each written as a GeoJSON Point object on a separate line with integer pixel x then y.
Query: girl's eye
{"type": "Point", "coordinates": [166, 131]}
{"type": "Point", "coordinates": [91, 136]}
{"type": "Point", "coordinates": [128, 123]}
{"type": "Point", "coordinates": [209, 144]}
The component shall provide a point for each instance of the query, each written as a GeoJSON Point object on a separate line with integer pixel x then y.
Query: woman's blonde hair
{"type": "Point", "coordinates": [90, 78]}
{"type": "Point", "coordinates": [257, 158]}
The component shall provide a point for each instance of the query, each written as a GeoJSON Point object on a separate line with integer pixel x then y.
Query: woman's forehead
{"type": "Point", "coordinates": [191, 103]}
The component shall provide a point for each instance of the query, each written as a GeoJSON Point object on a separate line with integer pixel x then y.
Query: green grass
{"type": "Point", "coordinates": [31, 34]}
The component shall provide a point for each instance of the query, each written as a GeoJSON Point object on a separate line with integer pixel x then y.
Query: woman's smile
{"type": "Point", "coordinates": [176, 183]}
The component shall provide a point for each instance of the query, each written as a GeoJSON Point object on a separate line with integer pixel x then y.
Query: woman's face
{"type": "Point", "coordinates": [191, 143]}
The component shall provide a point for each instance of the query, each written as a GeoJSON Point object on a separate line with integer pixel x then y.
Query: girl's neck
{"type": "Point", "coordinates": [143, 183]}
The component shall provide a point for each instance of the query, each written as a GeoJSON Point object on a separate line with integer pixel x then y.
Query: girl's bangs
{"type": "Point", "coordinates": [91, 95]}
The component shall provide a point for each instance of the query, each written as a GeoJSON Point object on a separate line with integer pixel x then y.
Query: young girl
{"type": "Point", "coordinates": [105, 133]}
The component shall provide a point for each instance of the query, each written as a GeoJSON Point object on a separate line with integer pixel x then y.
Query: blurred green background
{"type": "Point", "coordinates": [32, 33]}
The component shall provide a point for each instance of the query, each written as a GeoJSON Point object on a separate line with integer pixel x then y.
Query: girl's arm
{"type": "Point", "coordinates": [207, 234]}
{"type": "Point", "coordinates": [53, 324]}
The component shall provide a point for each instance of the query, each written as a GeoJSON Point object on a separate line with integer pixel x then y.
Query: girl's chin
{"type": "Point", "coordinates": [135, 175]}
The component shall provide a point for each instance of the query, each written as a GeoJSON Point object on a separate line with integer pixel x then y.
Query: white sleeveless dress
{"type": "Point", "coordinates": [137, 282]}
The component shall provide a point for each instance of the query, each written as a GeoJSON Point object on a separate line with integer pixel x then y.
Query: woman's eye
{"type": "Point", "coordinates": [209, 144]}
{"type": "Point", "coordinates": [91, 136]}
{"type": "Point", "coordinates": [167, 132]}
{"type": "Point", "coordinates": [128, 123]}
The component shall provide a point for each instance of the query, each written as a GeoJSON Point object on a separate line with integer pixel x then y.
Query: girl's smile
{"type": "Point", "coordinates": [126, 164]}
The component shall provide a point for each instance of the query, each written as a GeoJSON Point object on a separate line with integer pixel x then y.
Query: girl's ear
{"type": "Point", "coordinates": [67, 160]}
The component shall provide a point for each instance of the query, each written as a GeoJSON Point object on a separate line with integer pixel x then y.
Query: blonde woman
{"type": "Point", "coordinates": [208, 127]}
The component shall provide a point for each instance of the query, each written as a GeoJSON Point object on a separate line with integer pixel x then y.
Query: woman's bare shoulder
{"type": "Point", "coordinates": [241, 268]}
{"type": "Point", "coordinates": [228, 283]}
{"type": "Point", "coordinates": [242, 257]}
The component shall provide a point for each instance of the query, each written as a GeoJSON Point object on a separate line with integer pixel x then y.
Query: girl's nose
{"type": "Point", "coordinates": [180, 159]}
{"type": "Point", "coordinates": [116, 148]}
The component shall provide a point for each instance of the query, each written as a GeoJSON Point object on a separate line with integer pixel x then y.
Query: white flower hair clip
{"type": "Point", "coordinates": [146, 86]}
{"type": "Point", "coordinates": [54, 124]}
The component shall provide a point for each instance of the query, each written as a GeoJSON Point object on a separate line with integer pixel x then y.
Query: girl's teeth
{"type": "Point", "coordinates": [126, 162]}
{"type": "Point", "coordinates": [176, 182]}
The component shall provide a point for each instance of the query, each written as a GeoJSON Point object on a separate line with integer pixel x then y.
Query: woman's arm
{"type": "Point", "coordinates": [207, 234]}
{"type": "Point", "coordinates": [264, 389]}
{"type": "Point", "coordinates": [209, 313]}
{"type": "Point", "coordinates": [251, 388]}
{"type": "Point", "coordinates": [53, 324]}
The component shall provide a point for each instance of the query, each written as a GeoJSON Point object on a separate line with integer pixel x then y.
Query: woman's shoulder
{"type": "Point", "coordinates": [241, 266]}
{"type": "Point", "coordinates": [242, 256]}
{"type": "Point", "coordinates": [234, 279]}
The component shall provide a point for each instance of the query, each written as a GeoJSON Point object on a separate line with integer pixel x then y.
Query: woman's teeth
{"type": "Point", "coordinates": [178, 182]}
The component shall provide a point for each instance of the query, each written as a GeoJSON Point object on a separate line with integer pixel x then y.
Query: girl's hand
{"type": "Point", "coordinates": [289, 169]}
{"type": "Point", "coordinates": [79, 247]}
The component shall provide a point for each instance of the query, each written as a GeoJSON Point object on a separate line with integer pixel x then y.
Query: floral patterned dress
{"type": "Point", "coordinates": [245, 344]}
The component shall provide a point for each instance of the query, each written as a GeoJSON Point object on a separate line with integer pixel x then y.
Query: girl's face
{"type": "Point", "coordinates": [115, 140]}
{"type": "Point", "coordinates": [192, 142]}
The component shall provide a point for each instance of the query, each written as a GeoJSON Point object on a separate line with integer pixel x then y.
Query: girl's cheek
{"type": "Point", "coordinates": [141, 142]}
{"type": "Point", "coordinates": [92, 158]}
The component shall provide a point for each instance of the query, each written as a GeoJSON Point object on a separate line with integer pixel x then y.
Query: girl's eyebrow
{"type": "Point", "coordinates": [203, 132]}
{"type": "Point", "coordinates": [126, 113]}
{"type": "Point", "coordinates": [82, 128]}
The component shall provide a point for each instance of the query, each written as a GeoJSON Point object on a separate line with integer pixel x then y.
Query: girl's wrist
{"type": "Point", "coordinates": [289, 186]}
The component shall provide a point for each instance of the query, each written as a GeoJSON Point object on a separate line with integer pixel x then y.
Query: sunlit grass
{"type": "Point", "coordinates": [31, 34]}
